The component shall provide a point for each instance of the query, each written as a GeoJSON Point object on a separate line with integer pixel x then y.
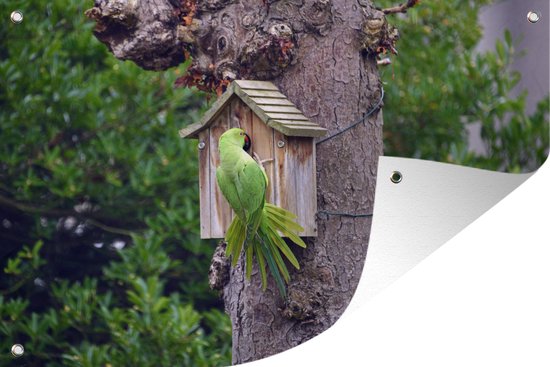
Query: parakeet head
{"type": "Point", "coordinates": [236, 136]}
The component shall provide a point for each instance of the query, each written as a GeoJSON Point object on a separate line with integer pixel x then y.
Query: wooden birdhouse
{"type": "Point", "coordinates": [279, 132]}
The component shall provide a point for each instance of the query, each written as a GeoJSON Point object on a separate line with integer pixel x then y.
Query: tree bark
{"type": "Point", "coordinates": [322, 55]}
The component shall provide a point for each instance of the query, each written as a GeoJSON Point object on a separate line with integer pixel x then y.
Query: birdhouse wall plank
{"type": "Point", "coordinates": [204, 183]}
{"type": "Point", "coordinates": [296, 186]}
{"type": "Point", "coordinates": [220, 211]}
{"type": "Point", "coordinates": [262, 145]}
{"type": "Point", "coordinates": [303, 151]}
{"type": "Point", "coordinates": [285, 171]}
{"type": "Point", "coordinates": [241, 116]}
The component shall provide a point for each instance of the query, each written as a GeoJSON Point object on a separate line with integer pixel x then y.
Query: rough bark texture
{"type": "Point", "coordinates": [321, 54]}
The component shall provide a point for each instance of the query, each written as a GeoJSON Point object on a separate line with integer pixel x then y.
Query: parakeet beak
{"type": "Point", "coordinates": [247, 143]}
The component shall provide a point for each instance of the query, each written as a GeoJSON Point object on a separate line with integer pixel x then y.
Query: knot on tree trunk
{"type": "Point", "coordinates": [226, 39]}
{"type": "Point", "coordinates": [267, 54]}
{"type": "Point", "coordinates": [142, 31]}
{"type": "Point", "coordinates": [218, 274]}
{"type": "Point", "coordinates": [302, 304]}
{"type": "Point", "coordinates": [317, 16]}
{"type": "Point", "coordinates": [378, 35]}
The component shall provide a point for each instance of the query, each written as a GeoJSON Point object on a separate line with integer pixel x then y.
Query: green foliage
{"type": "Point", "coordinates": [439, 83]}
{"type": "Point", "coordinates": [91, 326]}
{"type": "Point", "coordinates": [101, 260]}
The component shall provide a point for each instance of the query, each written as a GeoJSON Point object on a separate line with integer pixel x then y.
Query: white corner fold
{"type": "Point", "coordinates": [431, 204]}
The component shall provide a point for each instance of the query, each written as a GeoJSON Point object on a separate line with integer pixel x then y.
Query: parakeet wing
{"type": "Point", "coordinates": [230, 193]}
{"type": "Point", "coordinates": [251, 185]}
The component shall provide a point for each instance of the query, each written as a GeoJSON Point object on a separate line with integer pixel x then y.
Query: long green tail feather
{"type": "Point", "coordinates": [276, 224]}
{"type": "Point", "coordinates": [281, 244]}
{"type": "Point", "coordinates": [287, 224]}
{"type": "Point", "coordinates": [231, 236]}
{"type": "Point", "coordinates": [283, 215]}
{"type": "Point", "coordinates": [282, 220]}
{"type": "Point", "coordinates": [266, 244]}
{"type": "Point", "coordinates": [239, 243]}
{"type": "Point", "coordinates": [281, 211]}
{"type": "Point", "coordinates": [279, 260]}
{"type": "Point", "coordinates": [274, 268]}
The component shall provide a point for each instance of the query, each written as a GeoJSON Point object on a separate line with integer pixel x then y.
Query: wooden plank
{"type": "Point", "coordinates": [280, 109]}
{"type": "Point", "coordinates": [262, 144]}
{"type": "Point", "coordinates": [296, 124]}
{"type": "Point", "coordinates": [191, 131]}
{"type": "Point", "coordinates": [241, 116]}
{"type": "Point", "coordinates": [204, 184]}
{"type": "Point", "coordinates": [263, 93]}
{"type": "Point", "coordinates": [297, 130]}
{"type": "Point", "coordinates": [220, 212]}
{"type": "Point", "coordinates": [286, 190]}
{"type": "Point", "coordinates": [271, 101]}
{"type": "Point", "coordinates": [287, 116]}
{"type": "Point", "coordinates": [255, 84]}
{"type": "Point", "coordinates": [313, 219]}
{"type": "Point", "coordinates": [293, 124]}
{"type": "Point", "coordinates": [209, 116]}
{"type": "Point", "coordinates": [302, 152]}
{"type": "Point", "coordinates": [273, 175]}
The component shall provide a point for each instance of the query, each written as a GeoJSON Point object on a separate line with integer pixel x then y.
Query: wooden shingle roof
{"type": "Point", "coordinates": [267, 102]}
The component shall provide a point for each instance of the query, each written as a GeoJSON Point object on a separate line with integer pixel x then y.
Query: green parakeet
{"type": "Point", "coordinates": [256, 224]}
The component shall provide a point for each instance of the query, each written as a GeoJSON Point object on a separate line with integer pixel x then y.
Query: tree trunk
{"type": "Point", "coordinates": [334, 85]}
{"type": "Point", "coordinates": [321, 54]}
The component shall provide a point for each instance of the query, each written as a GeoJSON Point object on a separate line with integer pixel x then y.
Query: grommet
{"type": "Point", "coordinates": [396, 177]}
{"type": "Point", "coordinates": [202, 144]}
{"type": "Point", "coordinates": [17, 350]}
{"type": "Point", "coordinates": [280, 143]}
{"type": "Point", "coordinates": [533, 16]}
{"type": "Point", "coordinates": [16, 16]}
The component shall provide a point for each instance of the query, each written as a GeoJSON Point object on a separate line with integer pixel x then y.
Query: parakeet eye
{"type": "Point", "coordinates": [247, 142]}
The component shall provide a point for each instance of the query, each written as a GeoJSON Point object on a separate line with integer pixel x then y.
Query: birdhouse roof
{"type": "Point", "coordinates": [267, 102]}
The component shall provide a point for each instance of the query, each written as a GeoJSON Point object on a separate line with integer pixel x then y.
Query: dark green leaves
{"type": "Point", "coordinates": [100, 252]}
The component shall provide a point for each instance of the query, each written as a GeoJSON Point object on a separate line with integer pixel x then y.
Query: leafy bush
{"type": "Point", "coordinates": [100, 255]}
{"type": "Point", "coordinates": [439, 83]}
